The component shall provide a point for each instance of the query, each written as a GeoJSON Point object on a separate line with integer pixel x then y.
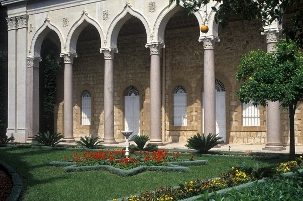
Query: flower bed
{"type": "Point", "coordinates": [115, 162]}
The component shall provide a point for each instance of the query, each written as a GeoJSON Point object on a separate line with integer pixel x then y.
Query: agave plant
{"type": "Point", "coordinates": [48, 139]}
{"type": "Point", "coordinates": [203, 143]}
{"type": "Point", "coordinates": [6, 139]}
{"type": "Point", "coordinates": [140, 141]}
{"type": "Point", "coordinates": [89, 142]}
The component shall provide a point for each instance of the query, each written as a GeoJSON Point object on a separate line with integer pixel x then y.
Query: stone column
{"type": "Point", "coordinates": [273, 111]}
{"type": "Point", "coordinates": [109, 95]}
{"type": "Point", "coordinates": [68, 96]}
{"type": "Point", "coordinates": [12, 76]}
{"type": "Point", "coordinates": [209, 87]}
{"type": "Point", "coordinates": [32, 96]}
{"type": "Point", "coordinates": [155, 93]}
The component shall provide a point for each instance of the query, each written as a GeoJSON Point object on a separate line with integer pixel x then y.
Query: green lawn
{"type": "Point", "coordinates": [44, 182]}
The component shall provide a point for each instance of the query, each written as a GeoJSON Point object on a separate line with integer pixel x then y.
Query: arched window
{"type": "Point", "coordinates": [86, 108]}
{"type": "Point", "coordinates": [180, 106]}
{"type": "Point", "coordinates": [251, 115]}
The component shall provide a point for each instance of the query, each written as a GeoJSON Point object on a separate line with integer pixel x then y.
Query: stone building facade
{"type": "Point", "coordinates": [138, 65]}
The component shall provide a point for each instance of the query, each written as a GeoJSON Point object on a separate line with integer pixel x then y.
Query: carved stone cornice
{"type": "Point", "coordinates": [208, 43]}
{"type": "Point", "coordinates": [272, 37]}
{"type": "Point", "coordinates": [155, 49]}
{"type": "Point", "coordinates": [33, 61]}
{"type": "Point", "coordinates": [68, 57]}
{"type": "Point", "coordinates": [109, 53]}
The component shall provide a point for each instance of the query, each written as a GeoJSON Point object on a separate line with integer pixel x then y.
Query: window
{"type": "Point", "coordinates": [86, 108]}
{"type": "Point", "coordinates": [251, 115]}
{"type": "Point", "coordinates": [180, 105]}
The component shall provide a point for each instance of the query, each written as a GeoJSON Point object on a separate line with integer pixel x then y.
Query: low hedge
{"type": "Point", "coordinates": [174, 167]}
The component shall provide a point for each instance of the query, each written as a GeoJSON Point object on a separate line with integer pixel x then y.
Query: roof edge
{"type": "Point", "coordinates": [7, 2]}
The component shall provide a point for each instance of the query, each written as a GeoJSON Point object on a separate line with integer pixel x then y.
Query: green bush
{"type": "Point", "coordinates": [151, 147]}
{"type": "Point", "coordinates": [48, 138]}
{"type": "Point", "coordinates": [89, 142]}
{"type": "Point", "coordinates": [203, 143]}
{"type": "Point", "coordinates": [5, 139]}
{"type": "Point", "coordinates": [140, 141]}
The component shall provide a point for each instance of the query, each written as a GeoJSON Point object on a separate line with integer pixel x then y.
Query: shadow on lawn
{"type": "Point", "coordinates": [23, 162]}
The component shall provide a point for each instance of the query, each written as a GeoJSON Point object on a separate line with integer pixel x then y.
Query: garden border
{"type": "Point", "coordinates": [175, 166]}
{"type": "Point", "coordinates": [17, 183]}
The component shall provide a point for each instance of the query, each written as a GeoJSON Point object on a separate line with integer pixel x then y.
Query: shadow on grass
{"type": "Point", "coordinates": [24, 162]}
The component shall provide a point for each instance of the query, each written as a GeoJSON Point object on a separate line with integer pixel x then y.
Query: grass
{"type": "Point", "coordinates": [44, 182]}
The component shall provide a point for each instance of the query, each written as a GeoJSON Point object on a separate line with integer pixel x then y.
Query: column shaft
{"type": "Point", "coordinates": [209, 88]}
{"type": "Point", "coordinates": [109, 101]}
{"type": "Point", "coordinates": [12, 77]}
{"type": "Point", "coordinates": [273, 112]}
{"type": "Point", "coordinates": [155, 99]}
{"type": "Point", "coordinates": [68, 96]}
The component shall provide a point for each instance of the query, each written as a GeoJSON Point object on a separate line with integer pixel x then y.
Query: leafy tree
{"type": "Point", "coordinates": [252, 9]}
{"type": "Point", "coordinates": [50, 90]}
{"type": "Point", "coordinates": [274, 76]}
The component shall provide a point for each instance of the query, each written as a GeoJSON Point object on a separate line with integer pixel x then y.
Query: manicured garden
{"type": "Point", "coordinates": [44, 182]}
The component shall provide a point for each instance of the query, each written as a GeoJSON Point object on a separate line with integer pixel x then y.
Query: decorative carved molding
{"type": "Point", "coordinates": [33, 61]}
{"type": "Point", "coordinates": [109, 53]}
{"type": "Point", "coordinates": [208, 43]}
{"type": "Point", "coordinates": [68, 57]}
{"type": "Point", "coordinates": [155, 49]}
{"type": "Point", "coordinates": [152, 7]}
{"type": "Point", "coordinates": [65, 22]}
{"type": "Point", "coordinates": [11, 23]}
{"type": "Point", "coordinates": [22, 21]}
{"type": "Point", "coordinates": [272, 37]}
{"type": "Point", "coordinates": [105, 15]}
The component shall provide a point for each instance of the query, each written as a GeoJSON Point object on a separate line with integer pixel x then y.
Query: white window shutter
{"type": "Point", "coordinates": [86, 108]}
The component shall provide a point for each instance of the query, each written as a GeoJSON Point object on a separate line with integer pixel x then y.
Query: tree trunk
{"type": "Point", "coordinates": [292, 148]}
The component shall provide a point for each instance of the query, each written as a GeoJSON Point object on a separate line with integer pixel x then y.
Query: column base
{"type": "Point", "coordinates": [156, 141]}
{"type": "Point", "coordinates": [68, 140]}
{"type": "Point", "coordinates": [109, 141]}
{"type": "Point", "coordinates": [274, 147]}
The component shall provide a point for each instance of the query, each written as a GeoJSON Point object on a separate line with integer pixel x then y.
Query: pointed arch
{"type": "Point", "coordinates": [39, 36]}
{"type": "Point", "coordinates": [77, 27]}
{"type": "Point", "coordinates": [117, 23]}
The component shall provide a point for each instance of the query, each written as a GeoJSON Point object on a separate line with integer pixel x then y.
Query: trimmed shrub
{"type": "Point", "coordinates": [89, 142]}
{"type": "Point", "coordinates": [203, 143]}
{"type": "Point", "coordinates": [48, 138]}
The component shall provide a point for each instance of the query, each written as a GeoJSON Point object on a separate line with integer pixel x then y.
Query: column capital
{"type": "Point", "coordinates": [109, 53]}
{"type": "Point", "coordinates": [68, 57]}
{"type": "Point", "coordinates": [155, 48]}
{"type": "Point", "coordinates": [271, 36]}
{"type": "Point", "coordinates": [11, 23]}
{"type": "Point", "coordinates": [22, 21]}
{"type": "Point", "coordinates": [208, 42]}
{"type": "Point", "coordinates": [33, 62]}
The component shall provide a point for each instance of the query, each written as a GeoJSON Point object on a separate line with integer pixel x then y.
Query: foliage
{"type": "Point", "coordinates": [5, 139]}
{"type": "Point", "coordinates": [277, 188]}
{"type": "Point", "coordinates": [274, 76]}
{"type": "Point", "coordinates": [203, 143]}
{"type": "Point", "coordinates": [48, 138]}
{"type": "Point", "coordinates": [290, 165]}
{"type": "Point", "coordinates": [269, 11]}
{"type": "Point", "coordinates": [140, 141]}
{"type": "Point", "coordinates": [50, 90]}
{"type": "Point", "coordinates": [151, 147]}
{"type": "Point", "coordinates": [89, 142]}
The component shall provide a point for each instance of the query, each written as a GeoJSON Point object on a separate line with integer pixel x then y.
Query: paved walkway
{"type": "Point", "coordinates": [224, 147]}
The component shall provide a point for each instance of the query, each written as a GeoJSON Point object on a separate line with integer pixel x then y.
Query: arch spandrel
{"type": "Point", "coordinates": [77, 27]}
{"type": "Point", "coordinates": [117, 23]}
{"type": "Point", "coordinates": [39, 36]}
